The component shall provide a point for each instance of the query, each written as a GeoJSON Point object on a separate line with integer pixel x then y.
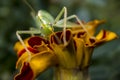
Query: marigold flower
{"type": "Point", "coordinates": [42, 58]}
{"type": "Point", "coordinates": [76, 54]}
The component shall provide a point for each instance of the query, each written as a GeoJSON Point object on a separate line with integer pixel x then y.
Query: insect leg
{"type": "Point", "coordinates": [32, 29]}
{"type": "Point", "coordinates": [62, 12]}
{"type": "Point", "coordinates": [59, 15]}
{"type": "Point", "coordinates": [79, 21]}
{"type": "Point", "coordinates": [64, 26]}
{"type": "Point", "coordinates": [22, 42]}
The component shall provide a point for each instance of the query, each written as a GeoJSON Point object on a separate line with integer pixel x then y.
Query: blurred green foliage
{"type": "Point", "coordinates": [15, 15]}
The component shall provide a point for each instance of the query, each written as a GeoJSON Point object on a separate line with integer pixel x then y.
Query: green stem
{"type": "Point", "coordinates": [70, 74]}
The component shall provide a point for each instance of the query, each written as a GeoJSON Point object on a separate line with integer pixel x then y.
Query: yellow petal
{"type": "Point", "coordinates": [92, 25]}
{"type": "Point", "coordinates": [41, 61]}
{"type": "Point", "coordinates": [18, 46]}
{"type": "Point", "coordinates": [95, 23]}
{"type": "Point", "coordinates": [84, 51]}
{"type": "Point", "coordinates": [66, 58]}
{"type": "Point", "coordinates": [87, 57]}
{"type": "Point", "coordinates": [64, 52]}
{"type": "Point", "coordinates": [22, 59]}
{"type": "Point", "coordinates": [79, 45]}
{"type": "Point", "coordinates": [106, 35]}
{"type": "Point", "coordinates": [111, 36]}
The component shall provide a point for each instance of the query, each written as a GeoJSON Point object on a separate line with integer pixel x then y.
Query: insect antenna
{"type": "Point", "coordinates": [28, 4]}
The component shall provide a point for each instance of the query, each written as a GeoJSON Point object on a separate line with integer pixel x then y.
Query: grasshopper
{"type": "Point", "coordinates": [45, 24]}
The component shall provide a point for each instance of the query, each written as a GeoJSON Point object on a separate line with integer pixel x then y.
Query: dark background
{"type": "Point", "coordinates": [15, 15]}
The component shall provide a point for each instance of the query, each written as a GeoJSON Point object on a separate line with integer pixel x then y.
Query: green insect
{"type": "Point", "coordinates": [45, 24]}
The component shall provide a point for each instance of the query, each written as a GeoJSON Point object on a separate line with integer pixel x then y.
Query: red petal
{"type": "Point", "coordinates": [58, 37]}
{"type": "Point", "coordinates": [55, 37]}
{"type": "Point", "coordinates": [30, 49]}
{"type": "Point", "coordinates": [36, 41]}
{"type": "Point", "coordinates": [26, 73]}
{"type": "Point", "coordinates": [68, 35]}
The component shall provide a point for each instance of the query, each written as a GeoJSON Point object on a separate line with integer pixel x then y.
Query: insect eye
{"type": "Point", "coordinates": [41, 27]}
{"type": "Point", "coordinates": [50, 24]}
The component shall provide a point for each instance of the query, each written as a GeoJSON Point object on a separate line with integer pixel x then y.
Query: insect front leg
{"type": "Point", "coordinates": [60, 15]}
{"type": "Point", "coordinates": [62, 12]}
{"type": "Point", "coordinates": [22, 42]}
